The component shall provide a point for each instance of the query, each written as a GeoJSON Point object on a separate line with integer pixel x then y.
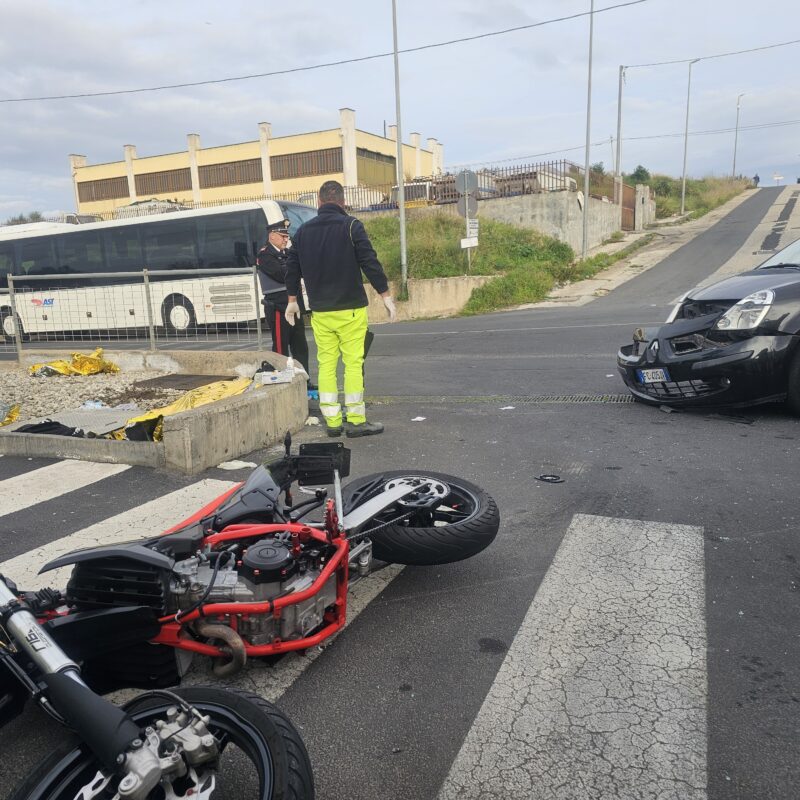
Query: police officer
{"type": "Point", "coordinates": [329, 253]}
{"type": "Point", "coordinates": [271, 260]}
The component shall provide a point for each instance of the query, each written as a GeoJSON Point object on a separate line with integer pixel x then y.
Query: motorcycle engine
{"type": "Point", "coordinates": [260, 571]}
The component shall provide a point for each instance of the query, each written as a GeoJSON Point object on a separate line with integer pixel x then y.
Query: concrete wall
{"type": "Point", "coordinates": [431, 297]}
{"type": "Point", "coordinates": [556, 214]}
{"type": "Point", "coordinates": [204, 437]}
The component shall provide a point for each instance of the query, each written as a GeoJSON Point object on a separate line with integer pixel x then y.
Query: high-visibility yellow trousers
{"type": "Point", "coordinates": [341, 333]}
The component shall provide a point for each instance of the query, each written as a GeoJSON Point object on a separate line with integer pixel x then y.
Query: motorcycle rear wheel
{"type": "Point", "coordinates": [258, 730]}
{"type": "Point", "coordinates": [464, 522]}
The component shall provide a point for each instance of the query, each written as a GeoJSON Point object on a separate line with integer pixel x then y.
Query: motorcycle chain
{"type": "Point", "coordinates": [363, 534]}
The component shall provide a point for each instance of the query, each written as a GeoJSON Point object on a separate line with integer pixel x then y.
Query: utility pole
{"type": "Point", "coordinates": [686, 136]}
{"type": "Point", "coordinates": [401, 178]}
{"type": "Point", "coordinates": [618, 163]}
{"type": "Point", "coordinates": [736, 137]}
{"type": "Point", "coordinates": [585, 247]}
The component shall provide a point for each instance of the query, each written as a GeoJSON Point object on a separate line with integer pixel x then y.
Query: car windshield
{"type": "Point", "coordinates": [788, 257]}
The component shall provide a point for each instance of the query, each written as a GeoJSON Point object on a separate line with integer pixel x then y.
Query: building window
{"type": "Point", "coordinates": [106, 189]}
{"type": "Point", "coordinates": [312, 162]}
{"type": "Point", "coordinates": [232, 173]}
{"type": "Point", "coordinates": [172, 180]}
{"type": "Point", "coordinates": [372, 155]}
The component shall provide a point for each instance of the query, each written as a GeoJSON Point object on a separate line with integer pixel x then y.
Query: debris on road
{"type": "Point", "coordinates": [550, 478]}
{"type": "Point", "coordinates": [418, 419]}
{"type": "Point", "coordinates": [236, 465]}
{"type": "Point", "coordinates": [507, 408]}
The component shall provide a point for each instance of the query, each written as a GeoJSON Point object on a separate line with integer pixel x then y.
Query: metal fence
{"type": "Point", "coordinates": [151, 309]}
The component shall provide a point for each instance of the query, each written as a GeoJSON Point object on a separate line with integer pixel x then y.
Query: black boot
{"type": "Point", "coordinates": [364, 429]}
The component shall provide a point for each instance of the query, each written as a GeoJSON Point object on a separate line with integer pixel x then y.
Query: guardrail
{"type": "Point", "coordinates": [149, 308]}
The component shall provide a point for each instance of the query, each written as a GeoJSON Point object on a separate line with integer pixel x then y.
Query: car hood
{"type": "Point", "coordinates": [740, 286]}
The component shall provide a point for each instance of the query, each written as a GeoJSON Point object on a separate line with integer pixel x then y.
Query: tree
{"type": "Point", "coordinates": [21, 219]}
{"type": "Point", "coordinates": [640, 175]}
{"type": "Point", "coordinates": [598, 168]}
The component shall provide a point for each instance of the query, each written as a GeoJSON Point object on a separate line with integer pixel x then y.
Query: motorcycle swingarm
{"type": "Point", "coordinates": [358, 516]}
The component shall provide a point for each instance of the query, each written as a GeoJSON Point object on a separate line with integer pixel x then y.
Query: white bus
{"type": "Point", "coordinates": [223, 237]}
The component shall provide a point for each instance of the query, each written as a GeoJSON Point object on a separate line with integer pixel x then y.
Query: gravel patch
{"type": "Point", "coordinates": [45, 397]}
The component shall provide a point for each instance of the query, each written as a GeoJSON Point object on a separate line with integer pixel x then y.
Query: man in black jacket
{"type": "Point", "coordinates": [329, 253]}
{"type": "Point", "coordinates": [271, 260]}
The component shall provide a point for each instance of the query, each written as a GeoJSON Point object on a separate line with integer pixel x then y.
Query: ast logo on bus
{"type": "Point", "coordinates": [48, 301]}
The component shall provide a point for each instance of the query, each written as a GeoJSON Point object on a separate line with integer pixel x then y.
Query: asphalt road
{"type": "Point", "coordinates": [406, 691]}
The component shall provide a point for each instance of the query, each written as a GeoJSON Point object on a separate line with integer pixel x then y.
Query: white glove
{"type": "Point", "coordinates": [390, 308]}
{"type": "Point", "coordinates": [292, 312]}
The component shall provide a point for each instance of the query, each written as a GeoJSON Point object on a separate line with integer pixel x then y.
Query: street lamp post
{"type": "Point", "coordinates": [686, 136]}
{"type": "Point", "coordinates": [618, 163]}
{"type": "Point", "coordinates": [585, 247]}
{"type": "Point", "coordinates": [736, 136]}
{"type": "Point", "coordinates": [401, 178]}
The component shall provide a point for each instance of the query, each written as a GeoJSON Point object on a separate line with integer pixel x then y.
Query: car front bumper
{"type": "Point", "coordinates": [701, 372]}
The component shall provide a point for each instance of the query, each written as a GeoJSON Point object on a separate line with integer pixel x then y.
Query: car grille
{"type": "Point", "coordinates": [112, 582]}
{"type": "Point", "coordinates": [679, 390]}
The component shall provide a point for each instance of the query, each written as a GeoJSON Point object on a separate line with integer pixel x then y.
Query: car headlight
{"type": "Point", "coordinates": [748, 313]}
{"type": "Point", "coordinates": [674, 313]}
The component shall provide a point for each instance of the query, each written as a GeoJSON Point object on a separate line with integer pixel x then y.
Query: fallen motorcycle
{"type": "Point", "coordinates": [250, 575]}
{"type": "Point", "coordinates": [199, 742]}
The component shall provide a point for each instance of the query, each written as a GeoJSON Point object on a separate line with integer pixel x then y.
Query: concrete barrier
{"type": "Point", "coordinates": [431, 297]}
{"type": "Point", "coordinates": [193, 440]}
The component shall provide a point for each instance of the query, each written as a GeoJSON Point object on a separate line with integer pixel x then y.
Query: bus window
{"type": "Point", "coordinates": [6, 263]}
{"type": "Point", "coordinates": [170, 245]}
{"type": "Point", "coordinates": [123, 249]}
{"type": "Point", "coordinates": [38, 256]}
{"type": "Point", "coordinates": [221, 237]}
{"type": "Point", "coordinates": [80, 252]}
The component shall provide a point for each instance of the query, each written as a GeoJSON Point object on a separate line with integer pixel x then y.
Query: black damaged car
{"type": "Point", "coordinates": [734, 343]}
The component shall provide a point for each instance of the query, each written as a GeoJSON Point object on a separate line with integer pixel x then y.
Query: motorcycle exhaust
{"type": "Point", "coordinates": [211, 630]}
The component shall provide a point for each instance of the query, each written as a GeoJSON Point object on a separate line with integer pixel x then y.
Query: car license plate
{"type": "Point", "coordinates": [652, 375]}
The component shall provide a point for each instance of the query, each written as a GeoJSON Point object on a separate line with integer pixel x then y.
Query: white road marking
{"type": "Point", "coordinates": [603, 692]}
{"type": "Point", "coordinates": [46, 483]}
{"type": "Point", "coordinates": [148, 519]}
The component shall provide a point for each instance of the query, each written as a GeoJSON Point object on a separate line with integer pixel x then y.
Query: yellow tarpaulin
{"type": "Point", "coordinates": [80, 365]}
{"type": "Point", "coordinates": [12, 415]}
{"type": "Point", "coordinates": [147, 427]}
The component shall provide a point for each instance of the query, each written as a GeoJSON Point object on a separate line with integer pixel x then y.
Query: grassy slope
{"type": "Point", "coordinates": [702, 195]}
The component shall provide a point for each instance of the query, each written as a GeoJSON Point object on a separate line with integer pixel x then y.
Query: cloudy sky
{"type": "Point", "coordinates": [501, 97]}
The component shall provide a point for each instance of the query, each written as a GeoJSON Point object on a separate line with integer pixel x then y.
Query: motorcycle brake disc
{"type": "Point", "coordinates": [430, 492]}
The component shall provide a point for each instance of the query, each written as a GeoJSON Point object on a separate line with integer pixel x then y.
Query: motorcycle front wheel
{"type": "Point", "coordinates": [449, 522]}
{"type": "Point", "coordinates": [262, 754]}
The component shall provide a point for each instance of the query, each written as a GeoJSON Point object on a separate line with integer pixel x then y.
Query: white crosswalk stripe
{"type": "Point", "coordinates": [149, 519]}
{"type": "Point", "coordinates": [603, 691]}
{"type": "Point", "coordinates": [24, 491]}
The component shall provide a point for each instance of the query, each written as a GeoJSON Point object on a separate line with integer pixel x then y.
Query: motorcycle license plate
{"type": "Point", "coordinates": [652, 375]}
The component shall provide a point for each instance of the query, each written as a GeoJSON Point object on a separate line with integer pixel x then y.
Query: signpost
{"type": "Point", "coordinates": [467, 206]}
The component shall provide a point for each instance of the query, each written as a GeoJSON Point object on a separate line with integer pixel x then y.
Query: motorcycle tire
{"type": "Point", "coordinates": [438, 536]}
{"type": "Point", "coordinates": [262, 732]}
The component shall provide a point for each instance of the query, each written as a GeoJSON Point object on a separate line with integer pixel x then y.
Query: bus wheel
{"type": "Point", "coordinates": [9, 326]}
{"type": "Point", "coordinates": [178, 314]}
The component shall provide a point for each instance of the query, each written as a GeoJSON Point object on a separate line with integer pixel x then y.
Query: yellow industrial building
{"type": "Point", "coordinates": [285, 167]}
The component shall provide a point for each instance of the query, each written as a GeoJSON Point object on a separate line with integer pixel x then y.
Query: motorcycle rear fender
{"type": "Point", "coordinates": [87, 634]}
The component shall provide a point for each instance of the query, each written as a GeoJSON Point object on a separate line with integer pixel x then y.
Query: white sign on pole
{"type": "Point", "coordinates": [471, 241]}
{"type": "Point", "coordinates": [472, 227]}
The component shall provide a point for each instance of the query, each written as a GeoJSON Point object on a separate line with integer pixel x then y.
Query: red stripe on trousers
{"type": "Point", "coordinates": [278, 331]}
